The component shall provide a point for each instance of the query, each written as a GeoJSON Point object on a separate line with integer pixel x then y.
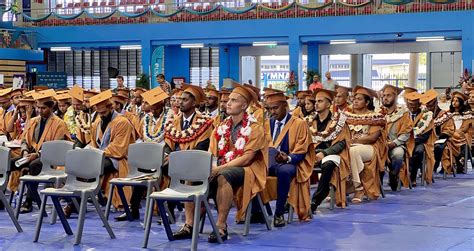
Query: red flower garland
{"type": "Point", "coordinates": [227, 135]}
{"type": "Point", "coordinates": [189, 138]}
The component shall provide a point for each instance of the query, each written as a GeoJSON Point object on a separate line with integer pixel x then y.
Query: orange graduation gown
{"type": "Point", "coordinates": [121, 135]}
{"type": "Point", "coordinates": [429, 145]}
{"type": "Point", "coordinates": [255, 173]}
{"type": "Point", "coordinates": [55, 129]}
{"type": "Point", "coordinates": [459, 138]}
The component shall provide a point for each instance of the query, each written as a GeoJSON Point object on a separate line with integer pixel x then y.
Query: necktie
{"type": "Point", "coordinates": [186, 125]}
{"type": "Point", "coordinates": [277, 131]}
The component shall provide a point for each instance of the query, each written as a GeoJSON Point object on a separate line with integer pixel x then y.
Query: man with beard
{"type": "Point", "coordinates": [300, 111]}
{"type": "Point", "coordinates": [341, 101]}
{"type": "Point", "coordinates": [212, 103]}
{"type": "Point", "coordinates": [399, 131]}
{"type": "Point", "coordinates": [6, 110]}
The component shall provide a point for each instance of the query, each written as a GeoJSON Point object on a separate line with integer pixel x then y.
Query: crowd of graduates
{"type": "Point", "coordinates": [262, 144]}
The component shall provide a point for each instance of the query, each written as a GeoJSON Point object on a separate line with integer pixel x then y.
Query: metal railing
{"type": "Point", "coordinates": [156, 11]}
{"type": "Point", "coordinates": [16, 39]}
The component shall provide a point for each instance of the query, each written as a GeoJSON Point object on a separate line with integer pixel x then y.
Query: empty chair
{"type": "Point", "coordinates": [4, 174]}
{"type": "Point", "coordinates": [185, 167]}
{"type": "Point", "coordinates": [143, 159]}
{"type": "Point", "coordinates": [84, 167]}
{"type": "Point", "coordinates": [53, 154]}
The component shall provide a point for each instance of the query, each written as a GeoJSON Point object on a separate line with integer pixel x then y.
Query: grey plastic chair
{"type": "Point", "coordinates": [84, 167]}
{"type": "Point", "coordinates": [189, 166]}
{"type": "Point", "coordinates": [53, 154]}
{"type": "Point", "coordinates": [142, 159]}
{"type": "Point", "coordinates": [4, 175]}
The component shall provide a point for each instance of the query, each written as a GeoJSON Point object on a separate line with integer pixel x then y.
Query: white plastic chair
{"type": "Point", "coordinates": [185, 167]}
{"type": "Point", "coordinates": [84, 167]}
{"type": "Point", "coordinates": [53, 154]}
{"type": "Point", "coordinates": [142, 157]}
{"type": "Point", "coordinates": [4, 175]}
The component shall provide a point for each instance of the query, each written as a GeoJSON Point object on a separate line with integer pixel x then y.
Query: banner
{"type": "Point", "coordinates": [441, 1]}
{"type": "Point", "coordinates": [157, 63]}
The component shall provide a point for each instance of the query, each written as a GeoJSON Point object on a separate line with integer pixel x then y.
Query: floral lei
{"type": "Point", "coordinates": [373, 118]}
{"type": "Point", "coordinates": [223, 134]}
{"type": "Point", "coordinates": [149, 136]}
{"type": "Point", "coordinates": [444, 117]}
{"type": "Point", "coordinates": [195, 130]}
{"type": "Point", "coordinates": [424, 122]}
{"type": "Point", "coordinates": [465, 116]}
{"type": "Point", "coordinates": [84, 126]}
{"type": "Point", "coordinates": [338, 120]}
{"type": "Point", "coordinates": [399, 112]}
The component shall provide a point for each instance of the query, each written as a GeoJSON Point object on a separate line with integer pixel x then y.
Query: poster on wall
{"type": "Point", "coordinates": [157, 63]}
{"type": "Point", "coordinates": [178, 81]}
{"type": "Point", "coordinates": [1, 80]}
{"type": "Point", "coordinates": [18, 81]}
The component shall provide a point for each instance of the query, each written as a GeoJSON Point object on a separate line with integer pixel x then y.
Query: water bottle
{"type": "Point", "coordinates": [21, 161]}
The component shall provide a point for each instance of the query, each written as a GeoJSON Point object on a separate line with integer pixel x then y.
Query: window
{"type": "Point", "coordinates": [89, 68]}
{"type": "Point", "coordinates": [204, 66]}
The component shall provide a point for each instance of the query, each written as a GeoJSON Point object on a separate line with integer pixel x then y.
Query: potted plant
{"type": "Point", "coordinates": [143, 81]}
{"type": "Point", "coordinates": [309, 76]}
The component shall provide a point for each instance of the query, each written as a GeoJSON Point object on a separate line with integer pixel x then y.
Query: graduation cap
{"type": "Point", "coordinates": [101, 97]}
{"type": "Point", "coordinates": [428, 96]}
{"type": "Point", "coordinates": [324, 93]}
{"type": "Point", "coordinates": [392, 88]}
{"type": "Point", "coordinates": [197, 92]}
{"type": "Point", "coordinates": [363, 90]}
{"type": "Point", "coordinates": [154, 96]}
{"type": "Point", "coordinates": [113, 72]}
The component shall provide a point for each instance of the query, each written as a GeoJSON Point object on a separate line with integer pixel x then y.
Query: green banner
{"type": "Point", "coordinates": [397, 2]}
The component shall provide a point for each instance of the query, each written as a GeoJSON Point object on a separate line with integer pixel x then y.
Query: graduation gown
{"type": "Point", "coordinates": [121, 135]}
{"type": "Point", "coordinates": [342, 172]}
{"type": "Point", "coordinates": [403, 125]}
{"type": "Point", "coordinates": [156, 127]}
{"type": "Point", "coordinates": [191, 144]}
{"type": "Point", "coordinates": [459, 138]}
{"type": "Point", "coordinates": [6, 116]}
{"type": "Point", "coordinates": [54, 129]}
{"type": "Point", "coordinates": [255, 173]}
{"type": "Point", "coordinates": [297, 112]}
{"type": "Point", "coordinates": [428, 145]}
{"type": "Point", "coordinates": [83, 132]}
{"type": "Point", "coordinates": [299, 142]}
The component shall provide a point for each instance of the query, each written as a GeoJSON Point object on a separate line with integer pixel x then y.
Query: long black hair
{"type": "Point", "coordinates": [463, 106]}
{"type": "Point", "coordinates": [370, 101]}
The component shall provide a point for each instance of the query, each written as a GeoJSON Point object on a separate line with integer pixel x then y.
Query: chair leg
{"type": "Point", "coordinates": [248, 214]}
{"type": "Point", "coordinates": [381, 185]}
{"type": "Point", "coordinates": [54, 214]}
{"type": "Point", "coordinates": [290, 214]}
{"type": "Point", "coordinates": [76, 204]}
{"type": "Point", "coordinates": [40, 218]}
{"type": "Point", "coordinates": [9, 209]}
{"type": "Point", "coordinates": [10, 200]}
{"type": "Point", "coordinates": [196, 223]}
{"type": "Point", "coordinates": [268, 222]}
{"type": "Point", "coordinates": [212, 221]}
{"type": "Point", "coordinates": [126, 208]}
{"type": "Point", "coordinates": [168, 212]}
{"type": "Point", "coordinates": [80, 221]}
{"type": "Point", "coordinates": [203, 220]}
{"type": "Point", "coordinates": [149, 215]}
{"type": "Point", "coordinates": [61, 215]}
{"type": "Point", "coordinates": [149, 188]}
{"type": "Point", "coordinates": [36, 197]}
{"type": "Point", "coordinates": [332, 194]}
{"type": "Point", "coordinates": [102, 217]}
{"type": "Point", "coordinates": [109, 201]}
{"type": "Point", "coordinates": [20, 198]}
{"type": "Point", "coordinates": [166, 222]}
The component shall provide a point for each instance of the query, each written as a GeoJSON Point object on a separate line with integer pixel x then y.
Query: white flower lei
{"type": "Point", "coordinates": [201, 120]}
{"type": "Point", "coordinates": [147, 135]}
{"type": "Point", "coordinates": [393, 117]}
{"type": "Point", "coordinates": [424, 122]}
{"type": "Point", "coordinates": [240, 142]}
{"type": "Point", "coordinates": [465, 116]}
{"type": "Point", "coordinates": [83, 125]}
{"type": "Point", "coordinates": [336, 126]}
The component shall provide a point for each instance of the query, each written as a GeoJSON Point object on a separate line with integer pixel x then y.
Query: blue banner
{"type": "Point", "coordinates": [157, 63]}
{"type": "Point", "coordinates": [54, 80]}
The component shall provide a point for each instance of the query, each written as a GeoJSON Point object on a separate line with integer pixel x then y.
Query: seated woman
{"type": "Point", "coordinates": [463, 122]}
{"type": "Point", "coordinates": [309, 104]}
{"type": "Point", "coordinates": [367, 152]}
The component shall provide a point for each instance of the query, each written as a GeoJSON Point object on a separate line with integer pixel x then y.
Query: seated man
{"type": "Point", "coordinates": [341, 101]}
{"type": "Point", "coordinates": [111, 133]}
{"type": "Point", "coordinates": [399, 135]}
{"type": "Point", "coordinates": [291, 155]}
{"type": "Point", "coordinates": [331, 138]}
{"type": "Point", "coordinates": [152, 129]}
{"type": "Point", "coordinates": [46, 127]}
{"type": "Point", "coordinates": [423, 132]}
{"type": "Point", "coordinates": [444, 129]}
{"type": "Point", "coordinates": [241, 167]}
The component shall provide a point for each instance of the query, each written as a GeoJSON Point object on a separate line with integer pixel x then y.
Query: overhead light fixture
{"type": "Point", "coordinates": [343, 41]}
{"type": "Point", "coordinates": [430, 39]}
{"type": "Point", "coordinates": [188, 46]}
{"type": "Point", "coordinates": [65, 48]}
{"type": "Point", "coordinates": [271, 43]}
{"type": "Point", "coordinates": [130, 47]}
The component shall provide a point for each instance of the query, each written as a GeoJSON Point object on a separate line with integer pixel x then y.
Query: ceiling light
{"type": "Point", "coordinates": [264, 43]}
{"type": "Point", "coordinates": [429, 39]}
{"type": "Point", "coordinates": [60, 49]}
{"type": "Point", "coordinates": [130, 47]}
{"type": "Point", "coordinates": [198, 45]}
{"type": "Point", "coordinates": [343, 41]}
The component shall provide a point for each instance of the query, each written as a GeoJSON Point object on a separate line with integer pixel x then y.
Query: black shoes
{"type": "Point", "coordinates": [393, 181]}
{"type": "Point", "coordinates": [314, 207]}
{"type": "Point", "coordinates": [186, 232]}
{"type": "Point", "coordinates": [279, 221]}
{"type": "Point", "coordinates": [69, 209]}
{"type": "Point", "coordinates": [213, 237]}
{"type": "Point", "coordinates": [26, 207]}
{"type": "Point", "coordinates": [123, 217]}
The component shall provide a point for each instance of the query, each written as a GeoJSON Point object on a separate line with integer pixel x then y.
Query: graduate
{"type": "Point", "coordinates": [300, 110]}
{"type": "Point", "coordinates": [400, 140]}
{"type": "Point", "coordinates": [341, 101]}
{"type": "Point", "coordinates": [152, 129]}
{"type": "Point", "coordinates": [212, 103]}
{"type": "Point", "coordinates": [43, 128]}
{"type": "Point", "coordinates": [12, 116]}
{"type": "Point", "coordinates": [331, 138]}
{"type": "Point", "coordinates": [424, 133]}
{"type": "Point", "coordinates": [66, 112]}
{"type": "Point", "coordinates": [6, 110]}
{"type": "Point", "coordinates": [118, 103]}
{"type": "Point", "coordinates": [137, 108]}
{"type": "Point", "coordinates": [444, 129]}
{"type": "Point", "coordinates": [368, 148]}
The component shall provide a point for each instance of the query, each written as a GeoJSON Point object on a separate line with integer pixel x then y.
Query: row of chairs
{"type": "Point", "coordinates": [84, 169]}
